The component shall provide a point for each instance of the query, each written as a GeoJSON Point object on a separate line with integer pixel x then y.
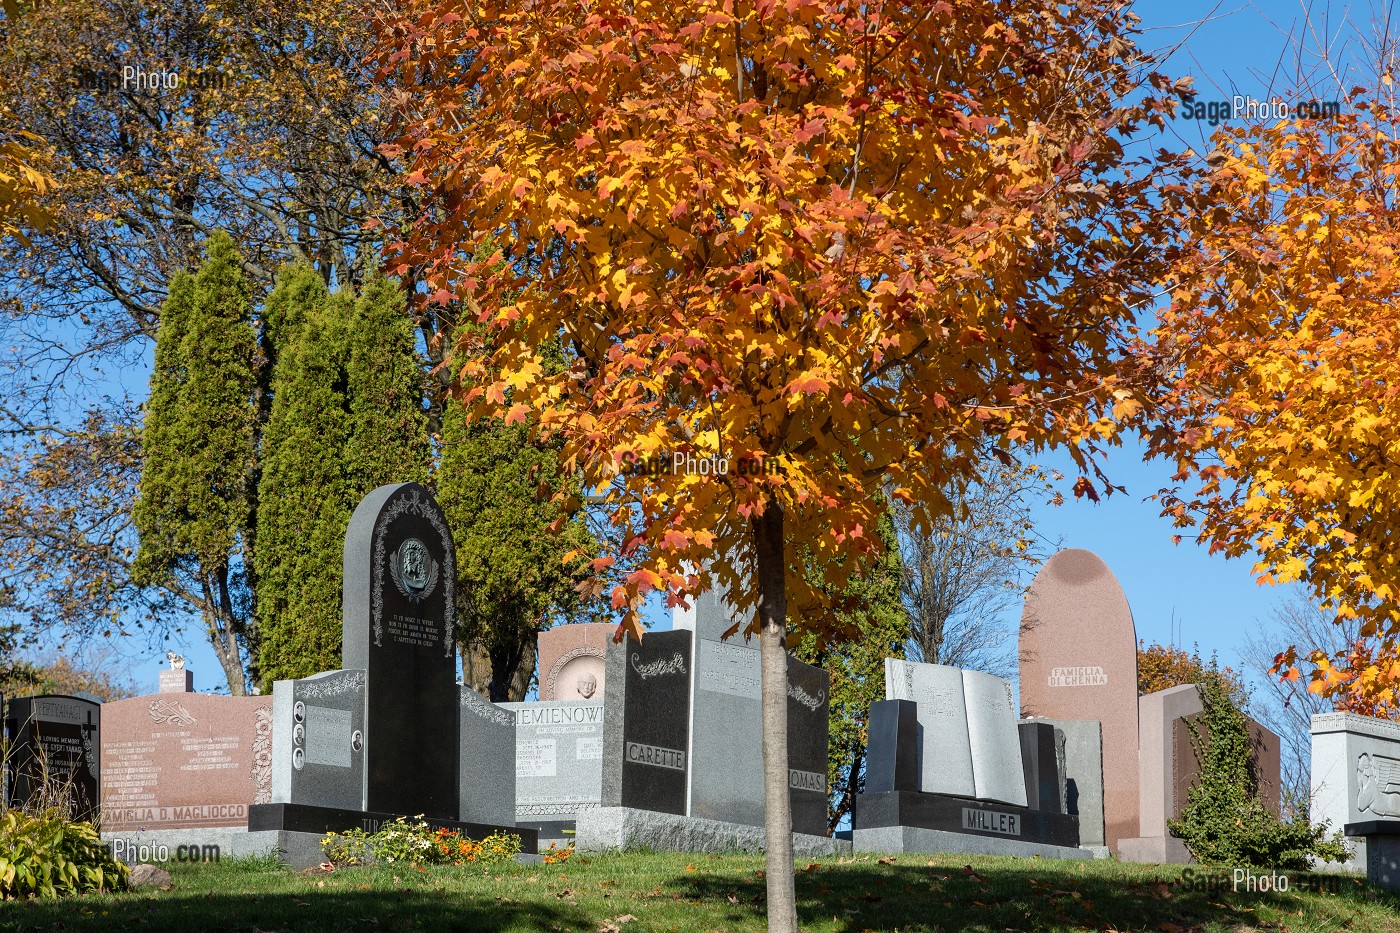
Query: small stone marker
{"type": "Point", "coordinates": [1083, 774]}
{"type": "Point", "coordinates": [571, 659]}
{"type": "Point", "coordinates": [1043, 762]}
{"type": "Point", "coordinates": [646, 733]}
{"type": "Point", "coordinates": [54, 745]}
{"type": "Point", "coordinates": [179, 760]}
{"type": "Point", "coordinates": [1078, 652]}
{"type": "Point", "coordinates": [399, 626]}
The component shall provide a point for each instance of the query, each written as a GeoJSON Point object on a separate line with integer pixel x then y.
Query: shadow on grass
{"type": "Point", "coordinates": [913, 896]}
{"type": "Point", "coordinates": [338, 910]}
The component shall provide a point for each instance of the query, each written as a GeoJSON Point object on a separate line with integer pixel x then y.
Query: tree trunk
{"type": "Point", "coordinates": [777, 821]}
{"type": "Point", "coordinates": [848, 799]}
{"type": "Point", "coordinates": [502, 674]}
{"type": "Point", "coordinates": [223, 633]}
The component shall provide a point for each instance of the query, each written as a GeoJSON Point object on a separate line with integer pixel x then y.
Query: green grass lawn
{"type": "Point", "coordinates": [639, 893]}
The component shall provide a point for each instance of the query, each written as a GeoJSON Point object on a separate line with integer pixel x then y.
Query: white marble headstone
{"type": "Point", "coordinates": [994, 740]}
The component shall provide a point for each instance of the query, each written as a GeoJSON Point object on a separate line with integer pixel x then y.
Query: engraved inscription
{"type": "Point", "coordinates": [327, 736]}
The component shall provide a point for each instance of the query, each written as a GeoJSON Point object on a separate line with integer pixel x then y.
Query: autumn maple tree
{"type": "Point", "coordinates": [850, 248]}
{"type": "Point", "coordinates": [1281, 346]}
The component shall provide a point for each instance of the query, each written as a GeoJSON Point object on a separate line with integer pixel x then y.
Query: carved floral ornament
{"type": "Point", "coordinates": [414, 572]}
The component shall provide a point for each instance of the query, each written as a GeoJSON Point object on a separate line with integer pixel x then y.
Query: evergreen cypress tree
{"type": "Point", "coordinates": [512, 581]}
{"type": "Point", "coordinates": [388, 440]}
{"type": "Point", "coordinates": [194, 504]}
{"type": "Point", "coordinates": [304, 497]}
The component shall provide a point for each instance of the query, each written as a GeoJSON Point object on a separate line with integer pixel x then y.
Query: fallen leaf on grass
{"type": "Point", "coordinates": [889, 860]}
{"type": "Point", "coordinates": [565, 893]}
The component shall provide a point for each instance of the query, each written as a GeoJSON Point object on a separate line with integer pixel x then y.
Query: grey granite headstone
{"type": "Point", "coordinates": [318, 740]}
{"type": "Point", "coordinates": [400, 593]}
{"type": "Point", "coordinates": [726, 746]}
{"type": "Point", "coordinates": [1083, 774]}
{"type": "Point", "coordinates": [487, 782]}
{"type": "Point", "coordinates": [993, 739]}
{"type": "Point", "coordinates": [54, 752]}
{"type": "Point", "coordinates": [726, 738]}
{"type": "Point", "coordinates": [558, 750]}
{"type": "Point", "coordinates": [646, 728]}
{"type": "Point", "coordinates": [945, 744]}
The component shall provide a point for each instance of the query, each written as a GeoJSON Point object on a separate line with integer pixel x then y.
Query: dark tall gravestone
{"type": "Point", "coordinates": [808, 728]}
{"type": "Point", "coordinates": [53, 752]}
{"type": "Point", "coordinates": [646, 724]}
{"type": "Point", "coordinates": [391, 734]}
{"type": "Point", "coordinates": [400, 582]}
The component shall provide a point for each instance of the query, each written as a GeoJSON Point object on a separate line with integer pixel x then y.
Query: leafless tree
{"type": "Point", "coordinates": [1287, 707]}
{"type": "Point", "coordinates": [963, 574]}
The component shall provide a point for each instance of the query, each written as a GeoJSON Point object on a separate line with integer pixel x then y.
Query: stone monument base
{"type": "Point", "coordinates": [210, 844]}
{"type": "Point", "coordinates": [296, 819]}
{"type": "Point", "coordinates": [620, 829]}
{"type": "Point", "coordinates": [902, 839]}
{"type": "Point", "coordinates": [1155, 850]}
{"type": "Point", "coordinates": [963, 816]}
{"type": "Point", "coordinates": [1382, 850]}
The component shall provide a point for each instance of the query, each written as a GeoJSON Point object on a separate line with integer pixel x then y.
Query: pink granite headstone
{"type": "Point", "coordinates": [571, 660]}
{"type": "Point", "coordinates": [176, 760]}
{"type": "Point", "coordinates": [1078, 660]}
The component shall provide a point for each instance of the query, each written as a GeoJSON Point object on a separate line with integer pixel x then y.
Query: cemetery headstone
{"type": "Point", "coordinates": [399, 626]}
{"type": "Point", "coordinates": [646, 728]}
{"type": "Point", "coordinates": [54, 748]}
{"type": "Point", "coordinates": [319, 741]}
{"type": "Point", "coordinates": [571, 661]}
{"type": "Point", "coordinates": [1355, 775]}
{"type": "Point", "coordinates": [488, 785]}
{"type": "Point", "coordinates": [392, 734]}
{"type": "Point", "coordinates": [1017, 804]}
{"type": "Point", "coordinates": [181, 760]}
{"type": "Point", "coordinates": [1078, 661]}
{"type": "Point", "coordinates": [1169, 768]}
{"type": "Point", "coordinates": [558, 763]}
{"type": "Point", "coordinates": [967, 719]}
{"type": "Point", "coordinates": [726, 744]}
{"type": "Point", "coordinates": [1083, 774]}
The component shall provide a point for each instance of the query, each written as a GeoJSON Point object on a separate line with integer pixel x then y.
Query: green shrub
{"type": "Point", "coordinates": [1225, 822]}
{"type": "Point", "coordinates": [417, 843]}
{"type": "Point", "coordinates": [44, 855]}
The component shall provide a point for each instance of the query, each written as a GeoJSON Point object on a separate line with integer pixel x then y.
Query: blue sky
{"type": "Point", "coordinates": [1178, 592]}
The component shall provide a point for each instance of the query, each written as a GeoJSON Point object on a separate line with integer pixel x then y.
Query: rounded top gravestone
{"type": "Point", "coordinates": [1078, 660]}
{"type": "Point", "coordinates": [398, 627]}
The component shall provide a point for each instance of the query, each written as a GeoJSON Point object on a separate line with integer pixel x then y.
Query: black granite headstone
{"type": "Point", "coordinates": [54, 746]}
{"type": "Point", "coordinates": [1041, 766]}
{"type": "Point", "coordinates": [808, 727]}
{"type": "Point", "coordinates": [892, 747]}
{"type": "Point", "coordinates": [400, 581]}
{"type": "Point", "coordinates": [646, 715]}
